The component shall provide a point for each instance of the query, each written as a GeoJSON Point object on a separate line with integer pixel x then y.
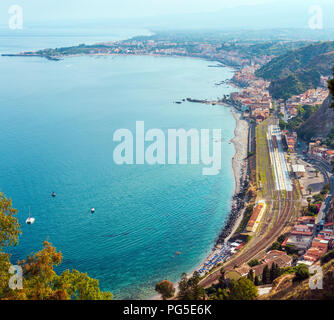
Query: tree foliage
{"type": "Point", "coordinates": [242, 289]}
{"type": "Point", "coordinates": [189, 289]}
{"type": "Point", "coordinates": [166, 289]}
{"type": "Point", "coordinates": [40, 281]}
{"type": "Point", "coordinates": [266, 275]}
{"type": "Point", "coordinates": [331, 88]}
{"type": "Point", "coordinates": [301, 272]}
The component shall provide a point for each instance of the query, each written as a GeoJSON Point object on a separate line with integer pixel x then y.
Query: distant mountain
{"type": "Point", "coordinates": [298, 70]}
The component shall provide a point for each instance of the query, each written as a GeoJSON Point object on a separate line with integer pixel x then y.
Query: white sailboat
{"type": "Point", "coordinates": [30, 220]}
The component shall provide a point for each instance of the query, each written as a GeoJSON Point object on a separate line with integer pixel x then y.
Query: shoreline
{"type": "Point", "coordinates": [239, 167]}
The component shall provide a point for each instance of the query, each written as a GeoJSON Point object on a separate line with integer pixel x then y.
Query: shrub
{"type": "Point", "coordinates": [302, 272]}
{"type": "Point", "coordinates": [254, 263]}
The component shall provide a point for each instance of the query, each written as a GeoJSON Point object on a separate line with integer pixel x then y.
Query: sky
{"type": "Point", "coordinates": [164, 13]}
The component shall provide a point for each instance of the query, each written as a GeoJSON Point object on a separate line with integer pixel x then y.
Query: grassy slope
{"type": "Point", "coordinates": [298, 70]}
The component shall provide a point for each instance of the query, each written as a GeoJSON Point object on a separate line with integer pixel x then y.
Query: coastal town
{"type": "Point", "coordinates": [310, 234]}
{"type": "Point", "coordinates": [279, 213]}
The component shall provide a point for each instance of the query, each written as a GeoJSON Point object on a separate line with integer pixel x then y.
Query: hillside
{"type": "Point", "coordinates": [284, 288]}
{"type": "Point", "coordinates": [298, 70]}
{"type": "Point", "coordinates": [320, 123]}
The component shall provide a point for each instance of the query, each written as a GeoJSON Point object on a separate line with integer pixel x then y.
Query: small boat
{"type": "Point", "coordinates": [53, 194]}
{"type": "Point", "coordinates": [30, 220]}
{"type": "Point", "coordinates": [92, 210]}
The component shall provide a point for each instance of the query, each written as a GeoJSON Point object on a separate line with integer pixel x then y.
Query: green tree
{"type": "Point", "coordinates": [266, 275]}
{"type": "Point", "coordinates": [281, 238]}
{"type": "Point", "coordinates": [331, 88]}
{"type": "Point", "coordinates": [302, 272]}
{"type": "Point", "coordinates": [316, 172]}
{"type": "Point", "coordinates": [40, 281]}
{"type": "Point", "coordinates": [242, 289]}
{"type": "Point", "coordinates": [183, 287]}
{"type": "Point", "coordinates": [189, 289]}
{"type": "Point", "coordinates": [9, 225]}
{"type": "Point", "coordinates": [196, 291]}
{"type": "Point", "coordinates": [250, 275]}
{"type": "Point", "coordinates": [274, 272]}
{"type": "Point", "coordinates": [9, 235]}
{"type": "Point", "coordinates": [327, 257]}
{"type": "Point", "coordinates": [276, 246]}
{"type": "Point", "coordinates": [309, 189]}
{"type": "Point", "coordinates": [166, 289]}
{"type": "Point", "coordinates": [254, 262]}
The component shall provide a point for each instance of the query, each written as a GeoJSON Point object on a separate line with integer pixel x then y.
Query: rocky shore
{"type": "Point", "coordinates": [240, 168]}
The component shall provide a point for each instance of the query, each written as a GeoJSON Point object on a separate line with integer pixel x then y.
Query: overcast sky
{"type": "Point", "coordinates": [259, 13]}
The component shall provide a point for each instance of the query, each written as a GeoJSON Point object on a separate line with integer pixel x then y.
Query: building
{"type": "Point", "coordinates": [318, 249]}
{"type": "Point", "coordinates": [306, 220]}
{"type": "Point", "coordinates": [301, 236]}
{"type": "Point", "coordinates": [256, 217]}
{"type": "Point", "coordinates": [298, 170]}
{"type": "Point", "coordinates": [274, 256]}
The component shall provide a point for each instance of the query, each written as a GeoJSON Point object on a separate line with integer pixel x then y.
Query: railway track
{"type": "Point", "coordinates": [261, 244]}
{"type": "Point", "coordinates": [274, 224]}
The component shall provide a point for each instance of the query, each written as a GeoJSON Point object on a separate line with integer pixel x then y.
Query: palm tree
{"type": "Point", "coordinates": [310, 189]}
{"type": "Point", "coordinates": [316, 172]}
{"type": "Point", "coordinates": [309, 199]}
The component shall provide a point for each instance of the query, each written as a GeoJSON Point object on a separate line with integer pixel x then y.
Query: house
{"type": "Point", "coordinates": [300, 237]}
{"type": "Point", "coordinates": [318, 249]}
{"type": "Point", "coordinates": [243, 270]}
{"type": "Point", "coordinates": [274, 256]}
{"type": "Point", "coordinates": [306, 220]}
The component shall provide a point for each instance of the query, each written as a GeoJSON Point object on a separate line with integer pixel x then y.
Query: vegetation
{"type": "Point", "coordinates": [304, 113]}
{"type": "Point", "coordinates": [295, 84]}
{"type": "Point", "coordinates": [290, 249]}
{"type": "Point", "coordinates": [266, 275]}
{"type": "Point", "coordinates": [189, 289]}
{"type": "Point", "coordinates": [277, 245]}
{"type": "Point", "coordinates": [247, 215]}
{"type": "Point", "coordinates": [327, 257]}
{"type": "Point", "coordinates": [329, 141]}
{"type": "Point", "coordinates": [241, 289]}
{"type": "Point", "coordinates": [298, 70]}
{"type": "Point", "coordinates": [331, 88]}
{"type": "Point", "coordinates": [166, 289]}
{"type": "Point", "coordinates": [301, 272]}
{"type": "Point", "coordinates": [254, 263]}
{"type": "Point", "coordinates": [40, 281]}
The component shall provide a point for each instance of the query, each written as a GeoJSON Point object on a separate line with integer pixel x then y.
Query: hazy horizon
{"type": "Point", "coordinates": [172, 14]}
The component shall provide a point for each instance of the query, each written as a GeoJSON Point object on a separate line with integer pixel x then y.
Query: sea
{"type": "Point", "coordinates": [57, 120]}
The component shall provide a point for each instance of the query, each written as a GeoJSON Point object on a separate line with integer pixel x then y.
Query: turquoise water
{"type": "Point", "coordinates": [57, 123]}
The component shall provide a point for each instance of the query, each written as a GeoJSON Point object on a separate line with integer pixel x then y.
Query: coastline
{"type": "Point", "coordinates": [239, 167]}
